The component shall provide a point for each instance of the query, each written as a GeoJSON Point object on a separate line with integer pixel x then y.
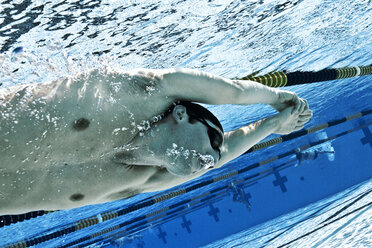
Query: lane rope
{"type": "Point", "coordinates": [304, 132]}
{"type": "Point", "coordinates": [282, 79]}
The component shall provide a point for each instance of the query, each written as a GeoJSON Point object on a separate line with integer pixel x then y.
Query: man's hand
{"type": "Point", "coordinates": [287, 99]}
{"type": "Point", "coordinates": [287, 122]}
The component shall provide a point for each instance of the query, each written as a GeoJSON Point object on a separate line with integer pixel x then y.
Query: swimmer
{"type": "Point", "coordinates": [312, 154]}
{"type": "Point", "coordinates": [239, 195]}
{"type": "Point", "coordinates": [105, 135]}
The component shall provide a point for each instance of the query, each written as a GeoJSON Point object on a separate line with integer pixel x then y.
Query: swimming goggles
{"type": "Point", "coordinates": [215, 135]}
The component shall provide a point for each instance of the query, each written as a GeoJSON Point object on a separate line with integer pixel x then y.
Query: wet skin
{"type": "Point", "coordinates": [57, 141]}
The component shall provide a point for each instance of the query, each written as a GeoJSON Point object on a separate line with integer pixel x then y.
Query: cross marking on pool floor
{"type": "Point", "coordinates": [368, 138]}
{"type": "Point", "coordinates": [213, 212]}
{"type": "Point", "coordinates": [280, 181]}
{"type": "Point", "coordinates": [186, 224]}
{"type": "Point", "coordinates": [162, 235]}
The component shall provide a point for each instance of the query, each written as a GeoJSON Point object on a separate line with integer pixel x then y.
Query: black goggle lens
{"type": "Point", "coordinates": [214, 136]}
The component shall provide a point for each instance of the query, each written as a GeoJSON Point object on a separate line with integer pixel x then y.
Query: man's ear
{"type": "Point", "coordinates": [179, 113]}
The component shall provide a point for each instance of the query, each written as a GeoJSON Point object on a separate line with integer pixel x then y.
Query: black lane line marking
{"type": "Point", "coordinates": [347, 206]}
{"type": "Point", "coordinates": [313, 215]}
{"type": "Point", "coordinates": [326, 224]}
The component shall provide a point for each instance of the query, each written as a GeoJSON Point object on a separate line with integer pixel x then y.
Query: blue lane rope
{"type": "Point", "coordinates": [303, 132]}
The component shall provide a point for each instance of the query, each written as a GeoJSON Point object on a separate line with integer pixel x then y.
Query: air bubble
{"type": "Point", "coordinates": [207, 161]}
{"type": "Point", "coordinates": [156, 119]}
{"type": "Point", "coordinates": [25, 160]}
{"type": "Point", "coordinates": [174, 152]}
{"type": "Point", "coordinates": [186, 154]}
{"type": "Point", "coordinates": [150, 89]}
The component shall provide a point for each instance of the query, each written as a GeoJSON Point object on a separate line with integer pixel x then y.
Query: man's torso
{"type": "Point", "coordinates": [57, 141]}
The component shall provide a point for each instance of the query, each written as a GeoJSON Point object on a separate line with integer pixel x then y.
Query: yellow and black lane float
{"type": "Point", "coordinates": [281, 79]}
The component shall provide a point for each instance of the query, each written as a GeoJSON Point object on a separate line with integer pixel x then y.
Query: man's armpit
{"type": "Point", "coordinates": [125, 194]}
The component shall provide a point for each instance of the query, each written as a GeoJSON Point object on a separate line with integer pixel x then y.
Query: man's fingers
{"type": "Point", "coordinates": [304, 105]}
{"type": "Point", "coordinates": [307, 104]}
{"type": "Point", "coordinates": [307, 112]}
{"type": "Point", "coordinates": [305, 117]}
{"type": "Point", "coordinates": [302, 122]}
{"type": "Point", "coordinates": [300, 104]}
{"type": "Point", "coordinates": [297, 103]}
{"type": "Point", "coordinates": [298, 128]}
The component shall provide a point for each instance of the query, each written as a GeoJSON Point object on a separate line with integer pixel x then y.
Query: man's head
{"type": "Point", "coordinates": [188, 139]}
{"type": "Point", "coordinates": [196, 136]}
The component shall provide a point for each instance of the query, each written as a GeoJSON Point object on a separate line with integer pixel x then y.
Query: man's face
{"type": "Point", "coordinates": [190, 149]}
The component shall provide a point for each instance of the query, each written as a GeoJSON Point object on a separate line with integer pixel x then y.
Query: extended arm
{"type": "Point", "coordinates": [240, 140]}
{"type": "Point", "coordinates": [198, 86]}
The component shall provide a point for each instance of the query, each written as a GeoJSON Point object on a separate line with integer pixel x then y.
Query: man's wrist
{"type": "Point", "coordinates": [274, 96]}
{"type": "Point", "coordinates": [271, 124]}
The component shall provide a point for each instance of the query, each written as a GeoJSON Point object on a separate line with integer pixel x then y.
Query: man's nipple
{"type": "Point", "coordinates": [76, 197]}
{"type": "Point", "coordinates": [81, 124]}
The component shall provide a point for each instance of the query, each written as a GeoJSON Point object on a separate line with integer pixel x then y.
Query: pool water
{"type": "Point", "coordinates": [323, 202]}
{"type": "Point", "coordinates": [341, 220]}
